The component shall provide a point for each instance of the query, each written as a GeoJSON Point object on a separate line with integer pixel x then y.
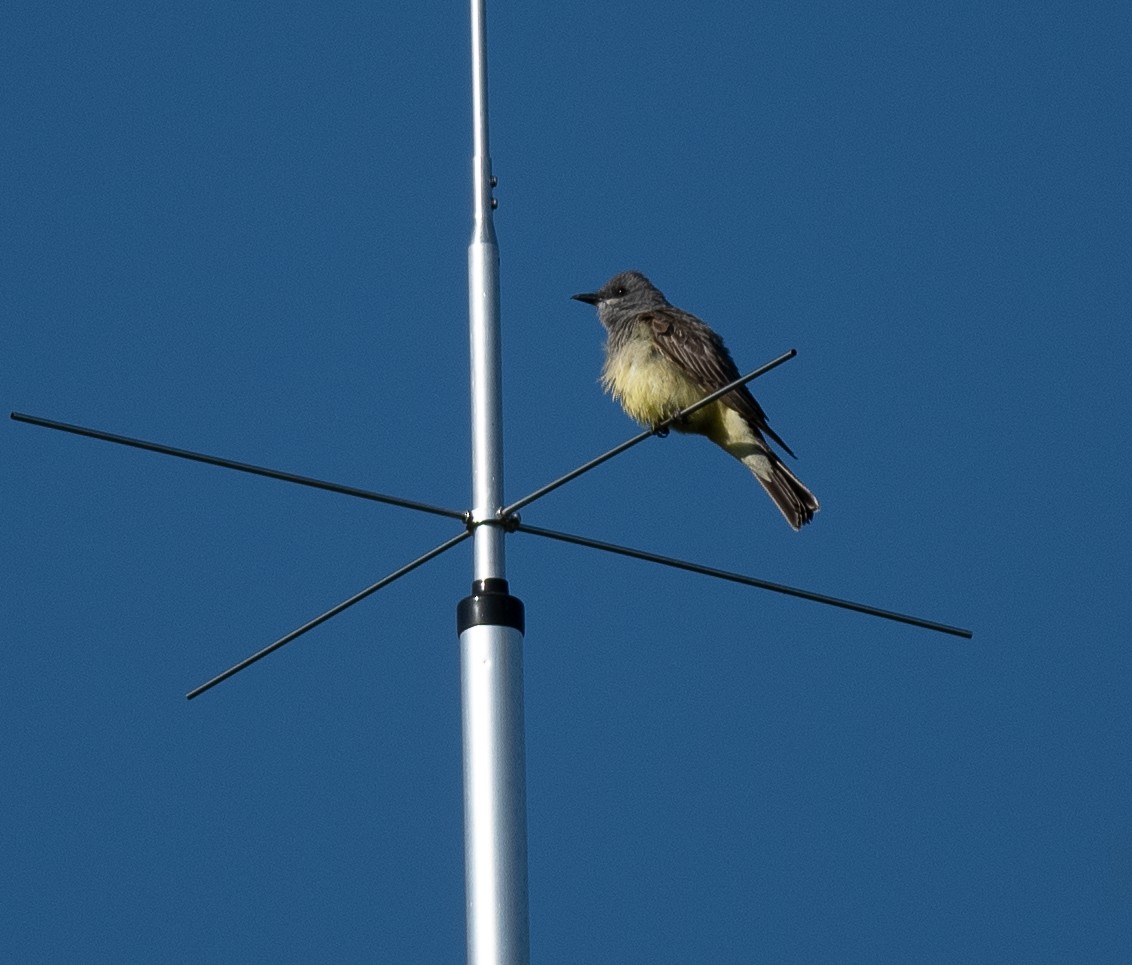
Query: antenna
{"type": "Point", "coordinates": [490, 621]}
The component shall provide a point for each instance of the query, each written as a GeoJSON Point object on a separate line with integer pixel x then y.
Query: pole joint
{"type": "Point", "coordinates": [491, 604]}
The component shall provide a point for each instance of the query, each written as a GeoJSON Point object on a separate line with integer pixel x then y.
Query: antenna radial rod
{"type": "Point", "coordinates": [238, 466]}
{"type": "Point", "coordinates": [490, 621]}
{"type": "Point", "coordinates": [333, 611]}
{"type": "Point", "coordinates": [744, 580]}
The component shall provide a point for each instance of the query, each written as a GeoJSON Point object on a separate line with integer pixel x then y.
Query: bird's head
{"type": "Point", "coordinates": [623, 296]}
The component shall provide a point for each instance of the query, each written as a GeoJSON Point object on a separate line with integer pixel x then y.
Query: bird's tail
{"type": "Point", "coordinates": [794, 500]}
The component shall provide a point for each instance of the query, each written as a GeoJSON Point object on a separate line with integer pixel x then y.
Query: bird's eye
{"type": "Point", "coordinates": [618, 291]}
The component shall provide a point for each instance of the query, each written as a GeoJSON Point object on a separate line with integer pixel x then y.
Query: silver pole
{"type": "Point", "coordinates": [490, 621]}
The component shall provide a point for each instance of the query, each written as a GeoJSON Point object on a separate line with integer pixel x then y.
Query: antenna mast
{"type": "Point", "coordinates": [490, 621]}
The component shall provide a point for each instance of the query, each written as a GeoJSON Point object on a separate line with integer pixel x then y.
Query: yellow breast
{"type": "Point", "coordinates": [648, 385]}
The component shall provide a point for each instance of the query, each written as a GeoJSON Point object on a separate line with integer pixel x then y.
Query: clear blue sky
{"type": "Point", "coordinates": [242, 229]}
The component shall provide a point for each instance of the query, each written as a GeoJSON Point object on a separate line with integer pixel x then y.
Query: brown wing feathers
{"type": "Point", "coordinates": [690, 344]}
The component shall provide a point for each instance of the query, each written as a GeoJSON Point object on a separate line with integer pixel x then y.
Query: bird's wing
{"type": "Point", "coordinates": [701, 354]}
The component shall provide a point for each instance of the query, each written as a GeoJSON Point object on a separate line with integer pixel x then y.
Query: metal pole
{"type": "Point", "coordinates": [490, 621]}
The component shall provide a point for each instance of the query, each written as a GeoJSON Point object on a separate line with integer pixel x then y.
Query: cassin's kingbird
{"type": "Point", "coordinates": [659, 360]}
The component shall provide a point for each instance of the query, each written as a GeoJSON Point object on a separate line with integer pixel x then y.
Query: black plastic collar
{"type": "Point", "coordinates": [490, 605]}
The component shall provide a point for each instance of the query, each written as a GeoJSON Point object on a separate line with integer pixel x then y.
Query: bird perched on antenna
{"type": "Point", "coordinates": [659, 360]}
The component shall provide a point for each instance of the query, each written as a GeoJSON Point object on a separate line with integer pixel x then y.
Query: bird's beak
{"type": "Point", "coordinates": [590, 298]}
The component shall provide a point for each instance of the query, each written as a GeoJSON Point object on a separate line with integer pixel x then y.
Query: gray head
{"type": "Point", "coordinates": [622, 297]}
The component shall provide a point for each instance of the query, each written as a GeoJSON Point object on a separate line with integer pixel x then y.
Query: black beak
{"type": "Point", "coordinates": [590, 298]}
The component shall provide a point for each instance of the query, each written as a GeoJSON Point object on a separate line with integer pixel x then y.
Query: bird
{"type": "Point", "coordinates": [660, 360]}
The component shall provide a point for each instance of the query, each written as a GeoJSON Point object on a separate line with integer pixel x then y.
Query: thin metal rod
{"type": "Point", "coordinates": [745, 580]}
{"type": "Point", "coordinates": [483, 323]}
{"type": "Point", "coordinates": [241, 466]}
{"type": "Point", "coordinates": [641, 437]}
{"type": "Point", "coordinates": [333, 611]}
